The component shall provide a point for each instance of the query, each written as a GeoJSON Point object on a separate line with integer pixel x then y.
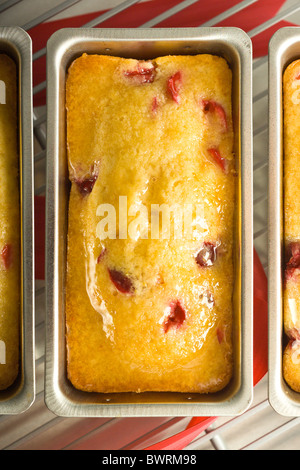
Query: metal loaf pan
{"type": "Point", "coordinates": [16, 43]}
{"type": "Point", "coordinates": [284, 48]}
{"type": "Point", "coordinates": [63, 47]}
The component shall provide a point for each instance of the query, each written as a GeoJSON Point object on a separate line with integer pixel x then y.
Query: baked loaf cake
{"type": "Point", "coordinates": [291, 358]}
{"type": "Point", "coordinates": [10, 225]}
{"type": "Point", "coordinates": [150, 310]}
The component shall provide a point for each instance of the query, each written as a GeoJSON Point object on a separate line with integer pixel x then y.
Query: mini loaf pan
{"type": "Point", "coordinates": [16, 43]}
{"type": "Point", "coordinates": [284, 48]}
{"type": "Point", "coordinates": [63, 47]}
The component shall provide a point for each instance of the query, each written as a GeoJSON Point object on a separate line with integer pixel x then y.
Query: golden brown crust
{"type": "Point", "coordinates": [146, 138]}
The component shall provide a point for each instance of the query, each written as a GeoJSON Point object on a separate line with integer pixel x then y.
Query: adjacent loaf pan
{"type": "Point", "coordinates": [16, 43]}
{"type": "Point", "coordinates": [63, 47]}
{"type": "Point", "coordinates": [284, 48]}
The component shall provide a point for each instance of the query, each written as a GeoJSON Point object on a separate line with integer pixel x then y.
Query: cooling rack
{"type": "Point", "coordinates": [258, 428]}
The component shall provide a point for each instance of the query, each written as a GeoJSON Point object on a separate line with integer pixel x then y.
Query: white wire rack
{"type": "Point", "coordinates": [259, 427]}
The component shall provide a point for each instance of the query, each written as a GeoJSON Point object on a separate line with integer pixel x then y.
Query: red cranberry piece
{"type": "Point", "coordinates": [293, 264]}
{"type": "Point", "coordinates": [85, 185]}
{"type": "Point", "coordinates": [6, 255]}
{"type": "Point", "coordinates": [220, 335]}
{"type": "Point", "coordinates": [207, 255]}
{"type": "Point", "coordinates": [207, 106]}
{"type": "Point", "coordinates": [122, 282]}
{"type": "Point", "coordinates": [176, 317]}
{"type": "Point", "coordinates": [174, 85]}
{"type": "Point", "coordinates": [218, 159]}
{"type": "Point", "coordinates": [290, 274]}
{"type": "Point", "coordinates": [213, 106]}
{"type": "Point", "coordinates": [145, 72]}
{"type": "Point", "coordinates": [293, 252]}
